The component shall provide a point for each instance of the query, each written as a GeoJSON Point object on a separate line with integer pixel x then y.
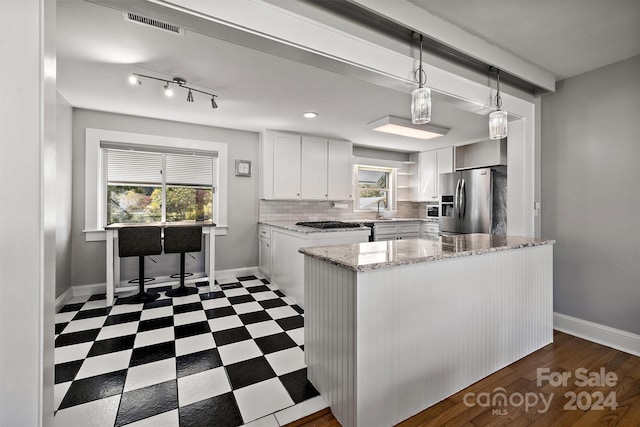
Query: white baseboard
{"type": "Point", "coordinates": [101, 288]}
{"type": "Point", "coordinates": [63, 299]}
{"type": "Point", "coordinates": [237, 272]}
{"type": "Point", "coordinates": [601, 334]}
{"type": "Point", "coordinates": [91, 289]}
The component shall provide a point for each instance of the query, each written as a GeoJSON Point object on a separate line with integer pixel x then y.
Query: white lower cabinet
{"type": "Point", "coordinates": [264, 250]}
{"type": "Point", "coordinates": [430, 230]}
{"type": "Point", "coordinates": [405, 230]}
{"type": "Point", "coordinates": [287, 264]}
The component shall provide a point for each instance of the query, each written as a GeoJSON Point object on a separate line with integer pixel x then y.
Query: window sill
{"type": "Point", "coordinates": [101, 235]}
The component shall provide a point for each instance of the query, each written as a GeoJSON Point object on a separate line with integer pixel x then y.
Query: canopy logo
{"type": "Point", "coordinates": [583, 400]}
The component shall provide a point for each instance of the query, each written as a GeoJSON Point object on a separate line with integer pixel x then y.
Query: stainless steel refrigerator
{"type": "Point", "coordinates": [474, 201]}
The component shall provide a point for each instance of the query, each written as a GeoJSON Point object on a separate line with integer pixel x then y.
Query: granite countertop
{"type": "Point", "coordinates": [394, 220]}
{"type": "Point", "coordinates": [386, 254]}
{"type": "Point", "coordinates": [291, 226]}
{"type": "Point", "coordinates": [118, 225]}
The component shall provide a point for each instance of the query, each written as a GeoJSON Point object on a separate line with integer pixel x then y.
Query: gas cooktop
{"type": "Point", "coordinates": [329, 224]}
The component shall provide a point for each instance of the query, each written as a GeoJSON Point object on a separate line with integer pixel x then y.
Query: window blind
{"type": "Point", "coordinates": [184, 169]}
{"type": "Point", "coordinates": [134, 167]}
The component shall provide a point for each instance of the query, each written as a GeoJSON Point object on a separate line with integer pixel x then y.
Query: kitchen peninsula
{"type": "Point", "coordinates": [394, 327]}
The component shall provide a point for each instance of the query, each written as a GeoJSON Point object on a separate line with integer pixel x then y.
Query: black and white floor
{"type": "Point", "coordinates": [228, 356]}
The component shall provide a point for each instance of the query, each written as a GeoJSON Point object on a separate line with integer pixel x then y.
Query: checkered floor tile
{"type": "Point", "coordinates": [226, 356]}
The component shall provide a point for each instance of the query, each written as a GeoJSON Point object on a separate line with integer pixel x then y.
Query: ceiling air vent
{"type": "Point", "coordinates": [144, 20]}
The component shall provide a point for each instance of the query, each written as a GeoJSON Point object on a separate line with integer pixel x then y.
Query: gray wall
{"type": "Point", "coordinates": [239, 248]}
{"type": "Point", "coordinates": [590, 166]}
{"type": "Point", "coordinates": [63, 194]}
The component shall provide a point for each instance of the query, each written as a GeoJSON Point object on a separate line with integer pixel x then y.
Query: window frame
{"type": "Point", "coordinates": [96, 180]}
{"type": "Point", "coordinates": [391, 187]}
{"type": "Point", "coordinates": [162, 183]}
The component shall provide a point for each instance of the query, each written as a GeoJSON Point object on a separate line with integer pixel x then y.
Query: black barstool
{"type": "Point", "coordinates": [140, 241]}
{"type": "Point", "coordinates": [182, 239]}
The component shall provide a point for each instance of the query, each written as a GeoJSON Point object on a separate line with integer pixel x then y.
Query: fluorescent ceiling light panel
{"type": "Point", "coordinates": [404, 127]}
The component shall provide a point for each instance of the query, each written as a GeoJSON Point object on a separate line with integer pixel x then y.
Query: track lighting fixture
{"type": "Point", "coordinates": [498, 119]}
{"type": "Point", "coordinates": [168, 87]}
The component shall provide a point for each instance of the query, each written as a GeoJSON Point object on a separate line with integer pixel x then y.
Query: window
{"type": "Point", "coordinates": [149, 185]}
{"type": "Point", "coordinates": [375, 187]}
{"type": "Point", "coordinates": [96, 175]}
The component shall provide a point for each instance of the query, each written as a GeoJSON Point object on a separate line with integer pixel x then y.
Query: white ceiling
{"type": "Point", "coordinates": [564, 37]}
{"type": "Point", "coordinates": [97, 50]}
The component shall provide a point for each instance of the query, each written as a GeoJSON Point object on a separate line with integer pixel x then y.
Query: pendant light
{"type": "Point", "coordinates": [421, 98]}
{"type": "Point", "coordinates": [498, 119]}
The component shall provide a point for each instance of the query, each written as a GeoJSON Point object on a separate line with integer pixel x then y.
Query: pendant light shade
{"type": "Point", "coordinates": [498, 124]}
{"type": "Point", "coordinates": [498, 119]}
{"type": "Point", "coordinates": [421, 98]}
{"type": "Point", "coordinates": [421, 106]}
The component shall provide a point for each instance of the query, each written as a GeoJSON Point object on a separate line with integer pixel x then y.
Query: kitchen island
{"type": "Point", "coordinates": [394, 327]}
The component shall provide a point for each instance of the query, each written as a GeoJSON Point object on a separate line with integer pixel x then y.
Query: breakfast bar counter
{"type": "Point", "coordinates": [113, 260]}
{"type": "Point", "coordinates": [394, 327]}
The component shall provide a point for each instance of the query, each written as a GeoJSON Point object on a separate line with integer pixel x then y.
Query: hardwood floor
{"type": "Point", "coordinates": [567, 355]}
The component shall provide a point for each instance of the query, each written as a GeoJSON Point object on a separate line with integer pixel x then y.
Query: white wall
{"type": "Point", "coordinates": [590, 164]}
{"type": "Point", "coordinates": [239, 248]}
{"type": "Point", "coordinates": [27, 211]}
{"type": "Point", "coordinates": [64, 114]}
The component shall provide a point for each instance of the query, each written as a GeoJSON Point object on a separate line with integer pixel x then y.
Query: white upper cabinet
{"type": "Point", "coordinates": [340, 174]}
{"type": "Point", "coordinates": [286, 166]}
{"type": "Point", "coordinates": [314, 168]}
{"type": "Point", "coordinates": [427, 160]}
{"type": "Point", "coordinates": [303, 167]}
{"type": "Point", "coordinates": [432, 164]}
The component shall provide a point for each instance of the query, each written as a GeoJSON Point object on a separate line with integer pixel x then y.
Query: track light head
{"type": "Point", "coordinates": [135, 79]}
{"type": "Point", "coordinates": [213, 102]}
{"type": "Point", "coordinates": [190, 96]}
{"type": "Point", "coordinates": [167, 90]}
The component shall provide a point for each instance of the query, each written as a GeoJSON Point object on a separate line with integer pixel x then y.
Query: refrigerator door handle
{"type": "Point", "coordinates": [463, 199]}
{"type": "Point", "coordinates": [456, 206]}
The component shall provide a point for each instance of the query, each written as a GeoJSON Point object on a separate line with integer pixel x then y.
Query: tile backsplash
{"type": "Point", "coordinates": [318, 210]}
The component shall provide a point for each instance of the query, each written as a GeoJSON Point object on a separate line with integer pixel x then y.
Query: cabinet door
{"type": "Point", "coordinates": [340, 173]}
{"type": "Point", "coordinates": [314, 168]}
{"type": "Point", "coordinates": [286, 166]}
{"type": "Point", "coordinates": [384, 232]}
{"type": "Point", "coordinates": [444, 164]}
{"type": "Point", "coordinates": [428, 190]}
{"type": "Point", "coordinates": [264, 256]}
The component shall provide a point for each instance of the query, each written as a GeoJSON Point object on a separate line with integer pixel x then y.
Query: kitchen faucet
{"type": "Point", "coordinates": [385, 206]}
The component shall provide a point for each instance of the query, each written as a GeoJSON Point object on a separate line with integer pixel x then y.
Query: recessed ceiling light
{"type": "Point", "coordinates": [404, 127]}
{"type": "Point", "coordinates": [310, 115]}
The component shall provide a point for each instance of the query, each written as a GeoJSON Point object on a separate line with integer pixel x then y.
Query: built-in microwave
{"type": "Point", "coordinates": [432, 211]}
